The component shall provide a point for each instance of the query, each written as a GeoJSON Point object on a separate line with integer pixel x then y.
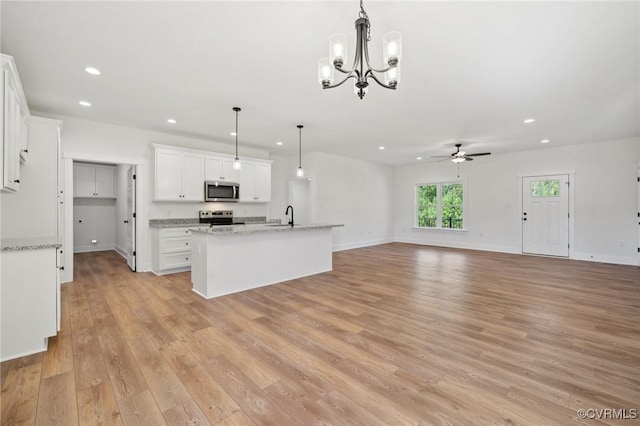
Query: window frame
{"type": "Point", "coordinates": [439, 186]}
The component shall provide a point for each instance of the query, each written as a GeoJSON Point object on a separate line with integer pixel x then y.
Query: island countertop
{"type": "Point", "coordinates": [260, 228]}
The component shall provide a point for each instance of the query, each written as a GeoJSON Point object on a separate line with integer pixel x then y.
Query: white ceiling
{"type": "Point", "coordinates": [471, 72]}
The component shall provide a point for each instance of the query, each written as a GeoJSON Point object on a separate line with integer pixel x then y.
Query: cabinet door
{"type": "Point", "coordinates": [263, 182]}
{"type": "Point", "coordinates": [24, 137]}
{"type": "Point", "coordinates": [105, 179]}
{"type": "Point", "coordinates": [84, 181]}
{"type": "Point", "coordinates": [11, 161]}
{"type": "Point", "coordinates": [168, 175]}
{"type": "Point", "coordinates": [192, 177]}
{"type": "Point", "coordinates": [213, 168]}
{"type": "Point", "coordinates": [248, 182]}
{"type": "Point", "coordinates": [229, 173]}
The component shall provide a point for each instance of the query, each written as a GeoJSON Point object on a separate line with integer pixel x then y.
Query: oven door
{"type": "Point", "coordinates": [221, 191]}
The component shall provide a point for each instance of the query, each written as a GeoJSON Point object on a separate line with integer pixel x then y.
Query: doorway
{"type": "Point", "coordinates": [129, 196]}
{"type": "Point", "coordinates": [545, 215]}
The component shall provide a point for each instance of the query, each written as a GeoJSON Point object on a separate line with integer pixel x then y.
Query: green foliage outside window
{"type": "Point", "coordinates": [427, 206]}
{"type": "Point", "coordinates": [545, 188]}
{"type": "Point", "coordinates": [448, 197]}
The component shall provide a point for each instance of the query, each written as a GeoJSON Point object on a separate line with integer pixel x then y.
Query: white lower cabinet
{"type": "Point", "coordinates": [171, 251]}
{"type": "Point", "coordinates": [30, 301]}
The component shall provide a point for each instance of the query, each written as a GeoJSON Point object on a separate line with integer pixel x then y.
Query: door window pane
{"type": "Point", "coordinates": [545, 188]}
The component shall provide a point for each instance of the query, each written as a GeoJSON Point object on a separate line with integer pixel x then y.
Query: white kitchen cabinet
{"type": "Point", "coordinates": [14, 124]}
{"type": "Point", "coordinates": [171, 250]}
{"type": "Point", "coordinates": [94, 181]}
{"type": "Point", "coordinates": [179, 175]}
{"type": "Point", "coordinates": [220, 168]}
{"type": "Point", "coordinates": [30, 301]}
{"type": "Point", "coordinates": [255, 182]}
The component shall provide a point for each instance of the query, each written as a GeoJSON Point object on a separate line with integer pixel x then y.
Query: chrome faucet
{"type": "Point", "coordinates": [287, 213]}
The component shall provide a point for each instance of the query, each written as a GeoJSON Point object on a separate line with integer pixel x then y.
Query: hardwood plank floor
{"type": "Point", "coordinates": [395, 334]}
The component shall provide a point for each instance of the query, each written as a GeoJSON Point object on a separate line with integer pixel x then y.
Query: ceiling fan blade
{"type": "Point", "coordinates": [444, 159]}
{"type": "Point", "coordinates": [440, 156]}
{"type": "Point", "coordinates": [478, 154]}
{"type": "Point", "coordinates": [466, 158]}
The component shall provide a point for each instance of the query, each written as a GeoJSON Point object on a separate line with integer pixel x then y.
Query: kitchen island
{"type": "Point", "coordinates": [229, 259]}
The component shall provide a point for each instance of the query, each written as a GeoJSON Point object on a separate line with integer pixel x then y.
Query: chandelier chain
{"type": "Point", "coordinates": [363, 14]}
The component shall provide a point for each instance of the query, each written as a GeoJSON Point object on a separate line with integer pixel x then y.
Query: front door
{"type": "Point", "coordinates": [545, 215]}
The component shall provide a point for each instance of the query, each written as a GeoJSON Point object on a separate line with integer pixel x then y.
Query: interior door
{"type": "Point", "coordinates": [131, 218]}
{"type": "Point", "coordinates": [545, 215]}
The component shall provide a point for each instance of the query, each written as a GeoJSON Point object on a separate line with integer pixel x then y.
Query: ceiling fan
{"type": "Point", "coordinates": [460, 156]}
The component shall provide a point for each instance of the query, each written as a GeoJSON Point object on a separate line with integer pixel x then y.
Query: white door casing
{"type": "Point", "coordinates": [131, 218]}
{"type": "Point", "coordinates": [545, 215]}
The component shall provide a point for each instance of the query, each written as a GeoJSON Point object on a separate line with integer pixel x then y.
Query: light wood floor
{"type": "Point", "coordinates": [396, 334]}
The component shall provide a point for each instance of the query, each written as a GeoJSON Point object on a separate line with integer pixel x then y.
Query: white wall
{"type": "Point", "coordinates": [32, 211]}
{"type": "Point", "coordinates": [604, 194]}
{"type": "Point", "coordinates": [94, 219]}
{"type": "Point", "coordinates": [356, 193]}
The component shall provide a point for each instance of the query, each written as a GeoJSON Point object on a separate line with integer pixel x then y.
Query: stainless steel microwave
{"type": "Point", "coordinates": [221, 191]}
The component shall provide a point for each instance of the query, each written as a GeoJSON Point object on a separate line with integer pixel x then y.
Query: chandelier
{"type": "Point", "coordinates": [361, 70]}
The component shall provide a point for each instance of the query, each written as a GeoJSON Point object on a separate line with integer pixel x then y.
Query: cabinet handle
{"type": "Point", "coordinates": [186, 244]}
{"type": "Point", "coordinates": [16, 180]}
{"type": "Point", "coordinates": [26, 151]}
{"type": "Point", "coordinates": [126, 221]}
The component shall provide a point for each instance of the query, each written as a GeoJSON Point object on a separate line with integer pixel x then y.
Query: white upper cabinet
{"type": "Point", "coordinates": [179, 176]}
{"type": "Point", "coordinates": [255, 182]}
{"type": "Point", "coordinates": [94, 181]}
{"type": "Point", "coordinates": [14, 124]}
{"type": "Point", "coordinates": [220, 168]}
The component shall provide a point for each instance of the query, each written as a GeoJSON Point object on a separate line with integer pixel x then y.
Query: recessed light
{"type": "Point", "coordinates": [381, 148]}
{"type": "Point", "coordinates": [278, 143]}
{"type": "Point", "coordinates": [418, 158]}
{"type": "Point", "coordinates": [171, 121]}
{"type": "Point", "coordinates": [92, 70]}
{"type": "Point", "coordinates": [233, 133]}
{"type": "Point", "coordinates": [85, 103]}
{"type": "Point", "coordinates": [545, 141]}
{"type": "Point", "coordinates": [529, 120]}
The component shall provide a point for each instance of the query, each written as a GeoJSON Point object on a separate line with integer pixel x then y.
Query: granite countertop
{"type": "Point", "coordinates": [190, 222]}
{"type": "Point", "coordinates": [32, 243]}
{"type": "Point", "coordinates": [259, 228]}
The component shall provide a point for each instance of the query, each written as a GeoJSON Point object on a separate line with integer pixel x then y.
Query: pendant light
{"type": "Point", "coordinates": [300, 172]}
{"type": "Point", "coordinates": [236, 162]}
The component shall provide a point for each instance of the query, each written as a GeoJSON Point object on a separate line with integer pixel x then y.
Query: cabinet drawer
{"type": "Point", "coordinates": [175, 260]}
{"type": "Point", "coordinates": [175, 232]}
{"type": "Point", "coordinates": [172, 245]}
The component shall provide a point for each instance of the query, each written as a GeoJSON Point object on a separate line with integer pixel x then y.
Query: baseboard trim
{"type": "Point", "coordinates": [122, 252]}
{"type": "Point", "coordinates": [361, 244]}
{"type": "Point", "coordinates": [87, 249]}
{"type": "Point", "coordinates": [616, 260]}
{"type": "Point", "coordinates": [492, 248]}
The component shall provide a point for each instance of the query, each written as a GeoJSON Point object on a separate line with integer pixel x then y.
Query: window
{"type": "Point", "coordinates": [440, 205]}
{"type": "Point", "coordinates": [545, 188]}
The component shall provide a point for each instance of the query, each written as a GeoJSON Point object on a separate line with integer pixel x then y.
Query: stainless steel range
{"type": "Point", "coordinates": [218, 217]}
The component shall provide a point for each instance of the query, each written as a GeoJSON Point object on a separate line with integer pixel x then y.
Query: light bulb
{"type": "Point", "coordinates": [458, 160]}
{"type": "Point", "coordinates": [325, 72]}
{"type": "Point", "coordinates": [338, 49]}
{"type": "Point", "coordinates": [392, 76]}
{"type": "Point", "coordinates": [392, 47]}
{"type": "Point", "coordinates": [300, 172]}
{"type": "Point", "coordinates": [236, 164]}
